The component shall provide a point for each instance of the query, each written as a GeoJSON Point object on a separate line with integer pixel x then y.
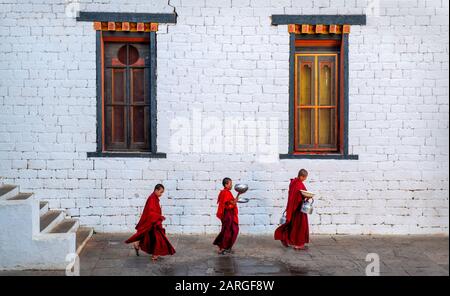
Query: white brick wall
{"type": "Point", "coordinates": [224, 59]}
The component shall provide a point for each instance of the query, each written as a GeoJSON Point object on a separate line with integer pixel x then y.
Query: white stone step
{"type": "Point", "coordinates": [59, 235]}
{"type": "Point", "coordinates": [65, 226]}
{"type": "Point", "coordinates": [43, 207]}
{"type": "Point", "coordinates": [83, 236]}
{"type": "Point", "coordinates": [8, 191]}
{"type": "Point", "coordinates": [21, 196]}
{"type": "Point", "coordinates": [50, 220]}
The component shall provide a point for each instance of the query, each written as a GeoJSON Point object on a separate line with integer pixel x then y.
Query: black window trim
{"type": "Point", "coordinates": [95, 16]}
{"type": "Point", "coordinates": [318, 19]}
{"type": "Point", "coordinates": [85, 16]}
{"type": "Point", "coordinates": [152, 153]}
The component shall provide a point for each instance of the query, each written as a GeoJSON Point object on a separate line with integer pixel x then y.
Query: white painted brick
{"type": "Point", "coordinates": [195, 220]}
{"type": "Point", "coordinates": [225, 58]}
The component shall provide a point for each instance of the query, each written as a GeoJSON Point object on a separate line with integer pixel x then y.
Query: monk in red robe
{"type": "Point", "coordinates": [295, 232]}
{"type": "Point", "coordinates": [150, 236]}
{"type": "Point", "coordinates": [227, 212]}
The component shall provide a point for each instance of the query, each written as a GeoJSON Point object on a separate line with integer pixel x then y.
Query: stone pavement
{"type": "Point", "coordinates": [106, 254]}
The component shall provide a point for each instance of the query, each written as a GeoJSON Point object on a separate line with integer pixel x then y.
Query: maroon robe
{"type": "Point", "coordinates": [150, 232]}
{"type": "Point", "coordinates": [228, 214]}
{"type": "Point", "coordinates": [295, 231]}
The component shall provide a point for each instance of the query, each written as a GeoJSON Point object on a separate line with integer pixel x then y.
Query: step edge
{"type": "Point", "coordinates": [83, 244]}
{"type": "Point", "coordinates": [54, 222]}
{"type": "Point", "coordinates": [72, 229]}
{"type": "Point", "coordinates": [14, 191]}
{"type": "Point", "coordinates": [44, 209]}
{"type": "Point", "coordinates": [30, 196]}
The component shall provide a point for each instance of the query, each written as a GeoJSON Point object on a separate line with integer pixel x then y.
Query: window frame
{"type": "Point", "coordinates": [143, 39]}
{"type": "Point", "coordinates": [101, 38]}
{"type": "Point", "coordinates": [343, 107]}
{"type": "Point", "coordinates": [131, 17]}
{"type": "Point", "coordinates": [315, 53]}
{"type": "Point", "coordinates": [319, 19]}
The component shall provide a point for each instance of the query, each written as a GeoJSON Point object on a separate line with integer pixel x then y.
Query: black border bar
{"type": "Point", "coordinates": [350, 19]}
{"type": "Point", "coordinates": [91, 16]}
{"type": "Point", "coordinates": [128, 154]}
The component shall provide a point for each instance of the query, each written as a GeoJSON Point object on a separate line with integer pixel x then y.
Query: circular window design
{"type": "Point", "coordinates": [133, 55]}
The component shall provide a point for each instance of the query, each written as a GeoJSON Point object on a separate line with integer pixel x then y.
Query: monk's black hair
{"type": "Point", "coordinates": [159, 186]}
{"type": "Point", "coordinates": [302, 173]}
{"type": "Point", "coordinates": [225, 181]}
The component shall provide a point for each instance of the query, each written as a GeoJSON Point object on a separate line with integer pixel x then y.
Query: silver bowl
{"type": "Point", "coordinates": [241, 188]}
{"type": "Point", "coordinates": [307, 194]}
{"type": "Point", "coordinates": [243, 200]}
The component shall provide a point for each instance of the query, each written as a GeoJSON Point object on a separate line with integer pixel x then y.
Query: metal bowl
{"type": "Point", "coordinates": [241, 188]}
{"type": "Point", "coordinates": [307, 193]}
{"type": "Point", "coordinates": [243, 200]}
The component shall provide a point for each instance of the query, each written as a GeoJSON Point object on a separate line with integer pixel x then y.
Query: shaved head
{"type": "Point", "coordinates": [302, 173]}
{"type": "Point", "coordinates": [225, 181]}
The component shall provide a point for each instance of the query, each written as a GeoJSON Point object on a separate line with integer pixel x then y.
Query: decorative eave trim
{"type": "Point", "coordinates": [91, 16]}
{"type": "Point", "coordinates": [125, 26]}
{"type": "Point", "coordinates": [318, 29]}
{"type": "Point", "coordinates": [351, 19]}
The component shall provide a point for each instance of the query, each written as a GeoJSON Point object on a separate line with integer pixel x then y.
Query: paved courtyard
{"type": "Point", "coordinates": [106, 254]}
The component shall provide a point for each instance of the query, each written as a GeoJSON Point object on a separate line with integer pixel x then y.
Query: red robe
{"type": "Point", "coordinates": [295, 231]}
{"type": "Point", "coordinates": [228, 214]}
{"type": "Point", "coordinates": [150, 232]}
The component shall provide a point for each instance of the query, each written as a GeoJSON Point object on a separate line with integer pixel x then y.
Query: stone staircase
{"type": "Point", "coordinates": [34, 237]}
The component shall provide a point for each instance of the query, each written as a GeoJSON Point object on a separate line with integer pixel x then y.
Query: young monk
{"type": "Point", "coordinates": [227, 212]}
{"type": "Point", "coordinates": [295, 232]}
{"type": "Point", "coordinates": [150, 236]}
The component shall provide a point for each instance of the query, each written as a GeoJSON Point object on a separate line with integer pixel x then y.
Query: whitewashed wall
{"type": "Point", "coordinates": [224, 59]}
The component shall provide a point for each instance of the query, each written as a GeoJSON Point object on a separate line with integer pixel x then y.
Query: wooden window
{"type": "Point", "coordinates": [126, 93]}
{"type": "Point", "coordinates": [317, 97]}
{"type": "Point", "coordinates": [126, 96]}
{"type": "Point", "coordinates": [126, 82]}
{"type": "Point", "coordinates": [316, 102]}
{"type": "Point", "coordinates": [318, 84]}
